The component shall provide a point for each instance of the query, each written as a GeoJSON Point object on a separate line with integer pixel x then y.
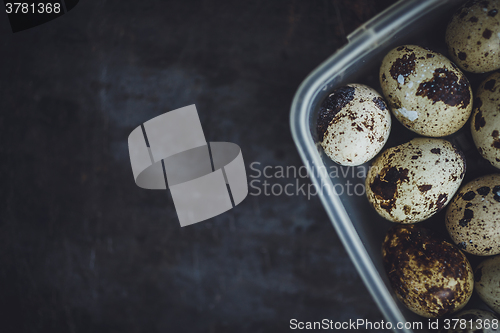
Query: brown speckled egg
{"type": "Point", "coordinates": [411, 182]}
{"type": "Point", "coordinates": [474, 321]}
{"type": "Point", "coordinates": [353, 124]}
{"type": "Point", "coordinates": [485, 122]}
{"type": "Point", "coordinates": [429, 275]}
{"type": "Point", "coordinates": [473, 216]}
{"type": "Point", "coordinates": [487, 283]}
{"type": "Point", "coordinates": [473, 36]}
{"type": "Point", "coordinates": [426, 92]}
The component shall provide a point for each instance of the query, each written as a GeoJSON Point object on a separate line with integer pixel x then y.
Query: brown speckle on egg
{"type": "Point", "coordinates": [456, 93]}
{"type": "Point", "coordinates": [490, 85]}
{"type": "Point", "coordinates": [403, 66]}
{"type": "Point", "coordinates": [331, 106]}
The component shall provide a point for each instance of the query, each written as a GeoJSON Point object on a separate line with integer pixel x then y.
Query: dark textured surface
{"type": "Point", "coordinates": [83, 249]}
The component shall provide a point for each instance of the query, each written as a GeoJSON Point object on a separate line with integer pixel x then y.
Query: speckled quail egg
{"type": "Point", "coordinates": [487, 285]}
{"type": "Point", "coordinates": [426, 92]}
{"type": "Point", "coordinates": [473, 216]}
{"type": "Point", "coordinates": [485, 122]}
{"type": "Point", "coordinates": [473, 36]}
{"type": "Point", "coordinates": [474, 321]}
{"type": "Point", "coordinates": [429, 275]}
{"type": "Point", "coordinates": [411, 182]}
{"type": "Point", "coordinates": [353, 124]}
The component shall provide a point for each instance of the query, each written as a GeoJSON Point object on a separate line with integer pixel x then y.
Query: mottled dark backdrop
{"type": "Point", "coordinates": [83, 249]}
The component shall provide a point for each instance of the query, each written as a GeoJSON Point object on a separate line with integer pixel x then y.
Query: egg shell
{"type": "Point", "coordinates": [429, 275]}
{"type": "Point", "coordinates": [426, 92]}
{"type": "Point", "coordinates": [487, 282]}
{"type": "Point", "coordinates": [353, 124]}
{"type": "Point", "coordinates": [473, 216]}
{"type": "Point", "coordinates": [474, 321]}
{"type": "Point", "coordinates": [473, 36]}
{"type": "Point", "coordinates": [411, 182]}
{"type": "Point", "coordinates": [485, 122]}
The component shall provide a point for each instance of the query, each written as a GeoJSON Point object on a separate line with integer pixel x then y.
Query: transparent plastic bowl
{"type": "Point", "coordinates": [359, 227]}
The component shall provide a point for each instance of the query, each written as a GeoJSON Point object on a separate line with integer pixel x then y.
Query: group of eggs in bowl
{"type": "Point", "coordinates": [431, 96]}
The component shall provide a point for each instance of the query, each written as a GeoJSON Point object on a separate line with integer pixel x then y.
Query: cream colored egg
{"type": "Point", "coordinates": [473, 216]}
{"type": "Point", "coordinates": [474, 321]}
{"type": "Point", "coordinates": [353, 124]}
{"type": "Point", "coordinates": [429, 275]}
{"type": "Point", "coordinates": [473, 36]}
{"type": "Point", "coordinates": [485, 123]}
{"type": "Point", "coordinates": [487, 285]}
{"type": "Point", "coordinates": [425, 91]}
{"type": "Point", "coordinates": [411, 182]}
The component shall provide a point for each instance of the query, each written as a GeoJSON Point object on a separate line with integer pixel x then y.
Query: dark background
{"type": "Point", "coordinates": [83, 249]}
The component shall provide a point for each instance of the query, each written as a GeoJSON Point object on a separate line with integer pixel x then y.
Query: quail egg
{"type": "Point", "coordinates": [485, 123]}
{"type": "Point", "coordinates": [429, 275]}
{"type": "Point", "coordinates": [426, 92]}
{"type": "Point", "coordinates": [411, 182]}
{"type": "Point", "coordinates": [353, 124]}
{"type": "Point", "coordinates": [487, 277]}
{"type": "Point", "coordinates": [473, 216]}
{"type": "Point", "coordinates": [473, 36]}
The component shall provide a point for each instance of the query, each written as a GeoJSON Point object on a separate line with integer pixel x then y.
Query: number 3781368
{"type": "Point", "coordinates": [25, 8]}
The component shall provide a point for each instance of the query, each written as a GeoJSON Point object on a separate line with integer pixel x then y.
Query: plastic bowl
{"type": "Point", "coordinates": [359, 227]}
